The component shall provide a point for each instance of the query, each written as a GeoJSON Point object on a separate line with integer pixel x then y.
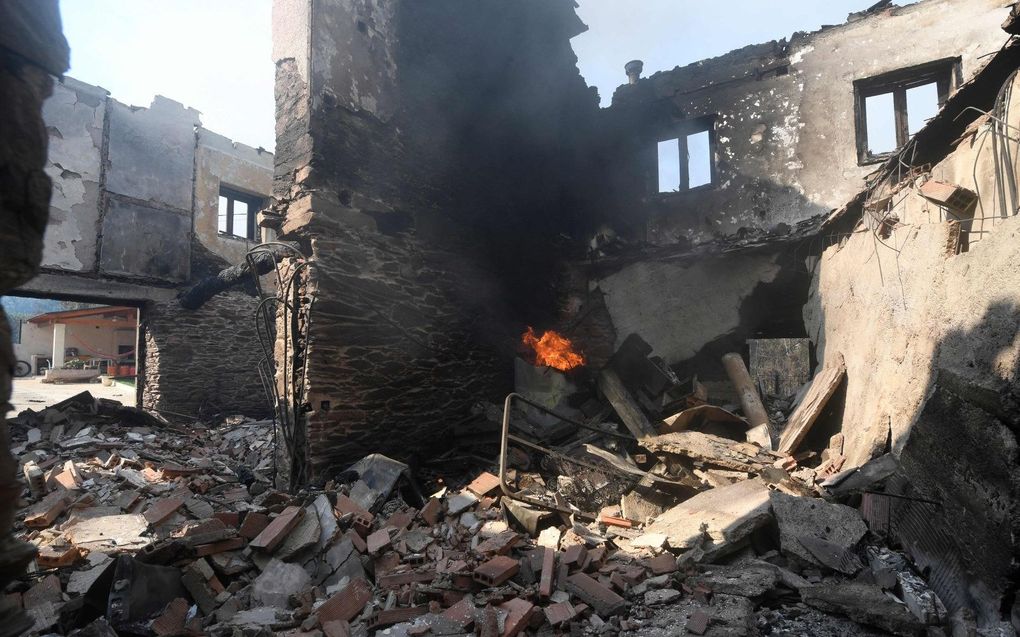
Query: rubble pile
{"type": "Point", "coordinates": [147, 529]}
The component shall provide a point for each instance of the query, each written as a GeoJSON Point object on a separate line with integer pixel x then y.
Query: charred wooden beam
{"type": "Point", "coordinates": [200, 293]}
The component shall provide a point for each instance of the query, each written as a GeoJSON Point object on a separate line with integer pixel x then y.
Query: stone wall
{"type": "Point", "coordinates": [204, 362]}
{"type": "Point", "coordinates": [429, 179]}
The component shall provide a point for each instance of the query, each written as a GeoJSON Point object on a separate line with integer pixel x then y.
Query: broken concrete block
{"type": "Point", "coordinates": [110, 533]}
{"type": "Point", "coordinates": [277, 582]}
{"type": "Point", "coordinates": [303, 536]}
{"type": "Point", "coordinates": [863, 603]}
{"type": "Point", "coordinates": [729, 514]}
{"type": "Point", "coordinates": [746, 580]}
{"type": "Point", "coordinates": [661, 596]}
{"type": "Point", "coordinates": [838, 525]}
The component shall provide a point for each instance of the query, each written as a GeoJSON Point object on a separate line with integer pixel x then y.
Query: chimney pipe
{"type": "Point", "coordinates": [633, 69]}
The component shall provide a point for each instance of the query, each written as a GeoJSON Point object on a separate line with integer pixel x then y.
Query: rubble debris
{"type": "Point", "coordinates": [819, 532]}
{"type": "Point", "coordinates": [220, 550]}
{"type": "Point", "coordinates": [864, 603]}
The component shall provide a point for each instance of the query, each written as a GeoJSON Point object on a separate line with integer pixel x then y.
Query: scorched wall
{"type": "Point", "coordinates": [427, 156]}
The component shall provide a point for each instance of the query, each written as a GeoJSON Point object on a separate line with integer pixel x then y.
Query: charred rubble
{"type": "Point", "coordinates": [518, 388]}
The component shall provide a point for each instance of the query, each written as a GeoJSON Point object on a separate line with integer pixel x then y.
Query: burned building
{"type": "Point", "coordinates": [146, 203]}
{"type": "Point", "coordinates": [767, 377]}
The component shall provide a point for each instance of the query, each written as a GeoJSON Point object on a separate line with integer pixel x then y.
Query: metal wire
{"type": "Point", "coordinates": [284, 308]}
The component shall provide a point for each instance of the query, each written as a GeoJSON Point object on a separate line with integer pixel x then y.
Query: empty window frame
{"type": "Point", "coordinates": [686, 158]}
{"type": "Point", "coordinates": [889, 108]}
{"type": "Point", "coordinates": [236, 213]}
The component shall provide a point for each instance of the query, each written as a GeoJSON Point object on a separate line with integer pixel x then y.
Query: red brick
{"type": "Point", "coordinates": [272, 535]}
{"type": "Point", "coordinates": [254, 523]}
{"type": "Point", "coordinates": [346, 604]}
{"type": "Point", "coordinates": [605, 602]}
{"type": "Point", "coordinates": [462, 613]}
{"type": "Point", "coordinates": [345, 505]}
{"type": "Point", "coordinates": [499, 544]}
{"type": "Point", "coordinates": [44, 512]}
{"type": "Point", "coordinates": [518, 615]}
{"type": "Point", "coordinates": [697, 623]}
{"type": "Point", "coordinates": [362, 525]}
{"type": "Point", "coordinates": [57, 557]}
{"type": "Point", "coordinates": [548, 570]}
{"type": "Point", "coordinates": [616, 581]}
{"type": "Point", "coordinates": [496, 571]}
{"type": "Point", "coordinates": [574, 556]}
{"type": "Point", "coordinates": [485, 484]}
{"type": "Point", "coordinates": [595, 558]}
{"type": "Point", "coordinates": [378, 541]}
{"type": "Point", "coordinates": [357, 541]}
{"type": "Point", "coordinates": [610, 520]}
{"type": "Point", "coordinates": [661, 564]}
{"type": "Point", "coordinates": [171, 620]}
{"type": "Point", "coordinates": [162, 510]}
{"type": "Point", "coordinates": [431, 512]}
{"type": "Point", "coordinates": [560, 613]}
{"type": "Point", "coordinates": [229, 518]}
{"type": "Point", "coordinates": [230, 544]}
{"type": "Point", "coordinates": [385, 618]}
{"type": "Point", "coordinates": [400, 519]}
{"type": "Point", "coordinates": [396, 580]}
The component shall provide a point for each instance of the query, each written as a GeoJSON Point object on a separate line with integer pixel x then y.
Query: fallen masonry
{"type": "Point", "coordinates": [140, 545]}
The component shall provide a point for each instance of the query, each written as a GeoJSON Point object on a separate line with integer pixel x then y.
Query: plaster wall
{"type": "Point", "coordinates": [679, 307]}
{"type": "Point", "coordinates": [221, 161]}
{"type": "Point", "coordinates": [74, 117]}
{"type": "Point", "coordinates": [785, 120]}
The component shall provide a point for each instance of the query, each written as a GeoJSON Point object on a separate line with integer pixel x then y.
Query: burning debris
{"type": "Point", "coordinates": [553, 350]}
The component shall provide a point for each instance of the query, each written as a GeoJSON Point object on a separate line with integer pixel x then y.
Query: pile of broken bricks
{"type": "Point", "coordinates": [172, 532]}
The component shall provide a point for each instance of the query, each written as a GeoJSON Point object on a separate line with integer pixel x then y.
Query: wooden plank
{"type": "Point", "coordinates": [623, 402]}
{"type": "Point", "coordinates": [803, 418]}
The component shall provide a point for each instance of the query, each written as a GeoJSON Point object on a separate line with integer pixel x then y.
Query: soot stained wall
{"type": "Point", "coordinates": [427, 155]}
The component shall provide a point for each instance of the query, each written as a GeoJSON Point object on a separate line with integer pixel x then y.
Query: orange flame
{"type": "Point", "coordinates": [553, 350]}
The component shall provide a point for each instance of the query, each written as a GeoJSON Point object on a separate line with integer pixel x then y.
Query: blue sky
{"type": "Point", "coordinates": [215, 55]}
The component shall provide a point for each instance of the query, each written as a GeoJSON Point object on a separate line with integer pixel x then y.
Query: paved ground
{"type": "Point", "coordinates": [29, 392]}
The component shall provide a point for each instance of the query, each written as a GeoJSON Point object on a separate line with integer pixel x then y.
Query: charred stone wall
{"type": "Point", "coordinates": [203, 362]}
{"type": "Point", "coordinates": [426, 156]}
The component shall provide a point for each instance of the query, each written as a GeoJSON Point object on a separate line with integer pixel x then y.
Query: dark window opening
{"type": "Point", "coordinates": [686, 158]}
{"type": "Point", "coordinates": [236, 213]}
{"type": "Point", "coordinates": [890, 108]}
